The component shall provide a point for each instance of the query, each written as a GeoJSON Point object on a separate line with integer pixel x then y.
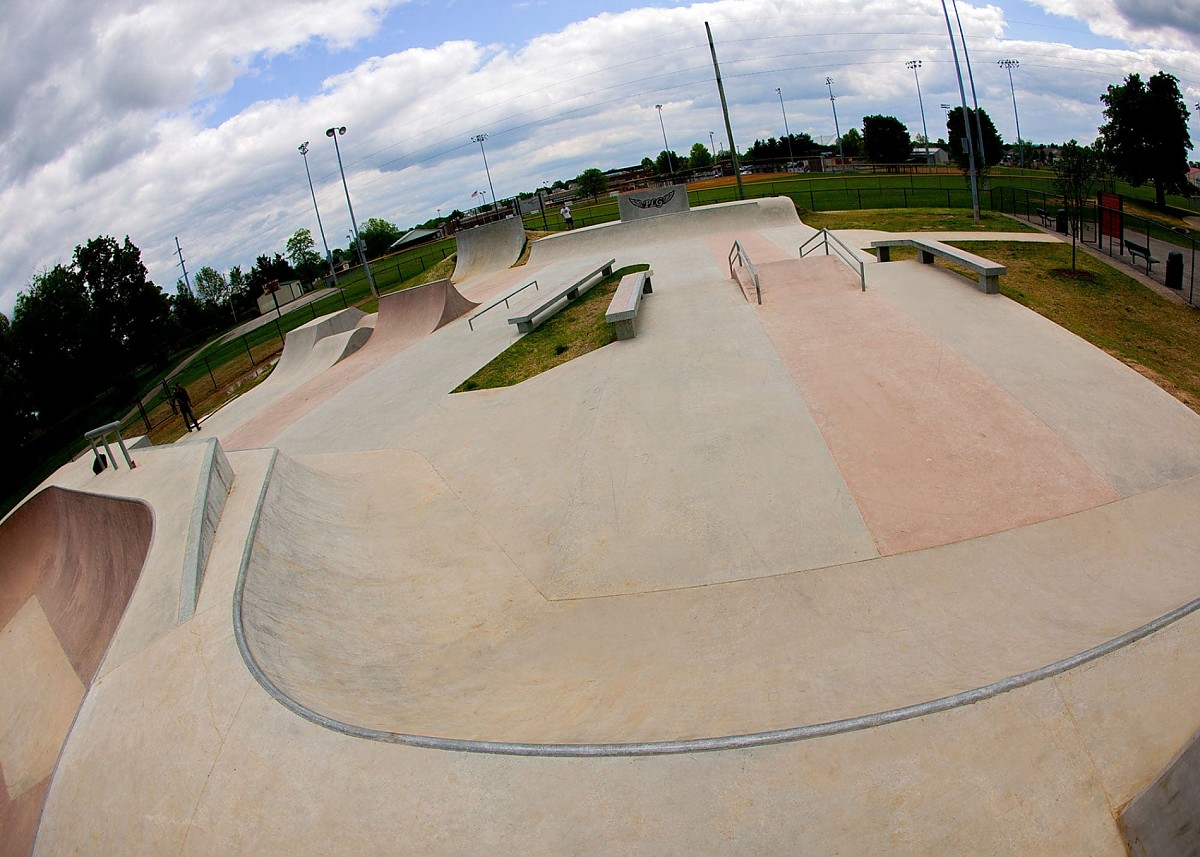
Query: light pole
{"type": "Point", "coordinates": [666, 145]}
{"type": "Point", "coordinates": [914, 65]}
{"type": "Point", "coordinates": [328, 256]}
{"type": "Point", "coordinates": [479, 138]}
{"type": "Point", "coordinates": [1010, 65]}
{"type": "Point", "coordinates": [786, 130]}
{"type": "Point", "coordinates": [713, 144]}
{"type": "Point", "coordinates": [333, 134]}
{"type": "Point", "coordinates": [836, 129]}
{"type": "Point", "coordinates": [981, 152]}
{"type": "Point", "coordinates": [962, 94]}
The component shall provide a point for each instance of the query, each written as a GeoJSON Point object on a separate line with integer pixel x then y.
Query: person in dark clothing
{"type": "Point", "coordinates": [184, 401]}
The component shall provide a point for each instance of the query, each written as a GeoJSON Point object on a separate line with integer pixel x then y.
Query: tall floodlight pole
{"type": "Point", "coordinates": [666, 145]}
{"type": "Point", "coordinates": [479, 138]}
{"type": "Point", "coordinates": [333, 134]}
{"type": "Point", "coordinates": [836, 129]}
{"type": "Point", "coordinates": [328, 256]}
{"type": "Point", "coordinates": [1010, 65]}
{"type": "Point", "coordinates": [786, 130]}
{"type": "Point", "coordinates": [713, 144]}
{"type": "Point", "coordinates": [982, 156]}
{"type": "Point", "coordinates": [733, 158]}
{"type": "Point", "coordinates": [914, 65]}
{"type": "Point", "coordinates": [962, 94]}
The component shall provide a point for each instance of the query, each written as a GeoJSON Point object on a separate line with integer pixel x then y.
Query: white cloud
{"type": "Point", "coordinates": [111, 135]}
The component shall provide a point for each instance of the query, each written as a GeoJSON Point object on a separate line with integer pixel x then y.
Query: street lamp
{"type": "Point", "coordinates": [837, 130]}
{"type": "Point", "coordinates": [787, 130]}
{"type": "Point", "coordinates": [713, 143]}
{"type": "Point", "coordinates": [333, 134]}
{"type": "Point", "coordinates": [328, 256]}
{"type": "Point", "coordinates": [1010, 65]}
{"type": "Point", "coordinates": [479, 138]}
{"type": "Point", "coordinates": [962, 94]}
{"type": "Point", "coordinates": [666, 145]}
{"type": "Point", "coordinates": [914, 65]}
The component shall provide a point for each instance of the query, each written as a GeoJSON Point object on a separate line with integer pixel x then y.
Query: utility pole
{"type": "Point", "coordinates": [786, 130]}
{"type": "Point", "coordinates": [713, 144]}
{"type": "Point", "coordinates": [1010, 65]}
{"type": "Point", "coordinates": [962, 94]}
{"type": "Point", "coordinates": [179, 251]}
{"type": "Point", "coordinates": [914, 65]}
{"type": "Point", "coordinates": [725, 110]}
{"type": "Point", "coordinates": [836, 129]}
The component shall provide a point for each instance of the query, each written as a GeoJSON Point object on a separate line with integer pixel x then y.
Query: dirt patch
{"type": "Point", "coordinates": [1076, 274]}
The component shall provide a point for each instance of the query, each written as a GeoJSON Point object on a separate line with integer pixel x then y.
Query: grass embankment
{"type": "Point", "coordinates": [913, 220]}
{"type": "Point", "coordinates": [573, 332]}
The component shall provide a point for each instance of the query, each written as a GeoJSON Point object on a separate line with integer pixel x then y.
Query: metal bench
{"type": "Point", "coordinates": [989, 271]}
{"type": "Point", "coordinates": [531, 315]}
{"type": "Point", "coordinates": [623, 308]}
{"type": "Point", "coordinates": [1041, 212]}
{"type": "Point", "coordinates": [1140, 251]}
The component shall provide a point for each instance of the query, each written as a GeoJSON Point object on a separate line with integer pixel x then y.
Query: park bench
{"type": "Point", "coordinates": [1140, 251]}
{"type": "Point", "coordinates": [989, 272]}
{"type": "Point", "coordinates": [1044, 215]}
{"type": "Point", "coordinates": [625, 302]}
{"type": "Point", "coordinates": [547, 304]}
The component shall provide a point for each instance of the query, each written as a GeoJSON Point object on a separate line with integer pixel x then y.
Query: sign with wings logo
{"type": "Point", "coordinates": [654, 202]}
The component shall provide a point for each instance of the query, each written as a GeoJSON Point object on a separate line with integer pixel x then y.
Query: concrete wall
{"type": "Point", "coordinates": [651, 203]}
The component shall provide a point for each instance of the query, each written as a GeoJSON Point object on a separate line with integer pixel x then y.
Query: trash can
{"type": "Point", "coordinates": [1060, 221]}
{"type": "Point", "coordinates": [1174, 270]}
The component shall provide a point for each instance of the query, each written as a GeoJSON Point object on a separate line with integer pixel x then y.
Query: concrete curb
{"type": "Point", "coordinates": [216, 481]}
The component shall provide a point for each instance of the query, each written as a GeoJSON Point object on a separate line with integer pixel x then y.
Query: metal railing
{"type": "Point", "coordinates": [738, 252]}
{"type": "Point", "coordinates": [840, 247]}
{"type": "Point", "coordinates": [501, 300]}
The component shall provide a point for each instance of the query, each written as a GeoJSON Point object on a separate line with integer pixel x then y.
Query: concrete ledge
{"type": "Point", "coordinates": [216, 481]}
{"type": "Point", "coordinates": [989, 271]}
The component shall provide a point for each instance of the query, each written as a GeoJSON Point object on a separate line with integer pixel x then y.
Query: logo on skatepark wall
{"type": "Point", "coordinates": [655, 202]}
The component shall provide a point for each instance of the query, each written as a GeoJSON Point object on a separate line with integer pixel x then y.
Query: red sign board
{"type": "Point", "coordinates": [1111, 205]}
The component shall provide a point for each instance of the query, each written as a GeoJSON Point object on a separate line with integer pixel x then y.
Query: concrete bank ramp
{"type": "Point", "coordinates": [489, 248]}
{"type": "Point", "coordinates": [69, 564]}
{"type": "Point", "coordinates": [728, 217]}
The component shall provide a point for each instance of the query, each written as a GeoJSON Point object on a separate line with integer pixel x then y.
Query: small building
{"type": "Point", "coordinates": [921, 155]}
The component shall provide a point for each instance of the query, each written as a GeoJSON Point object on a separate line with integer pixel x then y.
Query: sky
{"type": "Point", "coordinates": [182, 119]}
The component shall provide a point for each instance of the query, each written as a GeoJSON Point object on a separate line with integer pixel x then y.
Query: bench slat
{"type": "Point", "coordinates": [524, 317]}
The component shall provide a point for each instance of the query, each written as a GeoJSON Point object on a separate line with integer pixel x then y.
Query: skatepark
{"type": "Point", "coordinates": [891, 566]}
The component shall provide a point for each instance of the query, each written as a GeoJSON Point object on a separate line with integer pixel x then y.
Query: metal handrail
{"type": "Point", "coordinates": [503, 300]}
{"type": "Point", "coordinates": [846, 254]}
{"type": "Point", "coordinates": [738, 252]}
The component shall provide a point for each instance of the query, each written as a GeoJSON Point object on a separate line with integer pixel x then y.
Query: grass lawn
{"type": "Point", "coordinates": [913, 220]}
{"type": "Point", "coordinates": [574, 331]}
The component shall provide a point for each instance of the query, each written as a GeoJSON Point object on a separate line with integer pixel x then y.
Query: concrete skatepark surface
{"type": "Point", "coordinates": [747, 520]}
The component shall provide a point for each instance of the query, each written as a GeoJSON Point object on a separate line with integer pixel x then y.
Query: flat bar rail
{"type": "Point", "coordinates": [842, 250]}
{"type": "Point", "coordinates": [739, 253]}
{"type": "Point", "coordinates": [501, 300]}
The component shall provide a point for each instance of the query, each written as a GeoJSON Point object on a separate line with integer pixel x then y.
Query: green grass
{"type": "Point", "coordinates": [573, 332]}
{"type": "Point", "coordinates": [913, 220]}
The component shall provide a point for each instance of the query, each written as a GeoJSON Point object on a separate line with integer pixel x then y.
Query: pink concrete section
{"type": "Point", "coordinates": [404, 318]}
{"type": "Point", "coordinates": [932, 450]}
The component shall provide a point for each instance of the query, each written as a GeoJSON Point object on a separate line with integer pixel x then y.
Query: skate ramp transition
{"type": "Point", "coordinates": [489, 248]}
{"type": "Point", "coordinates": [755, 214]}
{"type": "Point", "coordinates": [319, 344]}
{"type": "Point", "coordinates": [70, 563]}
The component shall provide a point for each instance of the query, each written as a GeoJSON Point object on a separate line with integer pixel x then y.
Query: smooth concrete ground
{"type": "Point", "coordinates": [693, 533]}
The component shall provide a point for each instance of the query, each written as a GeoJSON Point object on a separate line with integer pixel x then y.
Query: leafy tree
{"type": "Point", "coordinates": [993, 145]}
{"type": "Point", "coordinates": [15, 418]}
{"type": "Point", "coordinates": [212, 286]}
{"type": "Point", "coordinates": [886, 139]}
{"type": "Point", "coordinates": [648, 164]}
{"type": "Point", "coordinates": [700, 157]}
{"type": "Point", "coordinates": [852, 143]}
{"type": "Point", "coordinates": [668, 163]}
{"type": "Point", "coordinates": [776, 150]}
{"type": "Point", "coordinates": [592, 182]}
{"type": "Point", "coordinates": [266, 269]}
{"type": "Point", "coordinates": [302, 252]}
{"type": "Point", "coordinates": [1076, 174]}
{"type": "Point", "coordinates": [133, 311]}
{"type": "Point", "coordinates": [1146, 137]}
{"type": "Point", "coordinates": [377, 236]}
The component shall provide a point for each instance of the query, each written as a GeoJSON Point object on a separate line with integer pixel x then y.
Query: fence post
{"type": "Point", "coordinates": [210, 373]}
{"type": "Point", "coordinates": [145, 418]}
{"type": "Point", "coordinates": [246, 345]}
{"type": "Point", "coordinates": [312, 307]}
{"type": "Point", "coordinates": [905, 192]}
{"type": "Point", "coordinates": [859, 192]}
{"type": "Point", "coordinates": [812, 205]}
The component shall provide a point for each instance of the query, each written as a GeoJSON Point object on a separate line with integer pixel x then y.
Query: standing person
{"type": "Point", "coordinates": [566, 215]}
{"type": "Point", "coordinates": [185, 407]}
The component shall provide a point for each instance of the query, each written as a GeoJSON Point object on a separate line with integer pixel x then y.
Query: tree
{"type": "Point", "coordinates": [1146, 137]}
{"type": "Point", "coordinates": [648, 164]}
{"type": "Point", "coordinates": [377, 236]}
{"type": "Point", "coordinates": [700, 157]}
{"type": "Point", "coordinates": [592, 182]}
{"type": "Point", "coordinates": [302, 252]}
{"type": "Point", "coordinates": [668, 163]}
{"type": "Point", "coordinates": [852, 143]}
{"type": "Point", "coordinates": [886, 139]}
{"type": "Point", "coordinates": [267, 269]}
{"type": "Point", "coordinates": [212, 287]}
{"type": "Point", "coordinates": [1076, 174]}
{"type": "Point", "coordinates": [993, 145]}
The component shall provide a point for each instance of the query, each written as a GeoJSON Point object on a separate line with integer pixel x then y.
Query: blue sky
{"type": "Point", "coordinates": [158, 119]}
